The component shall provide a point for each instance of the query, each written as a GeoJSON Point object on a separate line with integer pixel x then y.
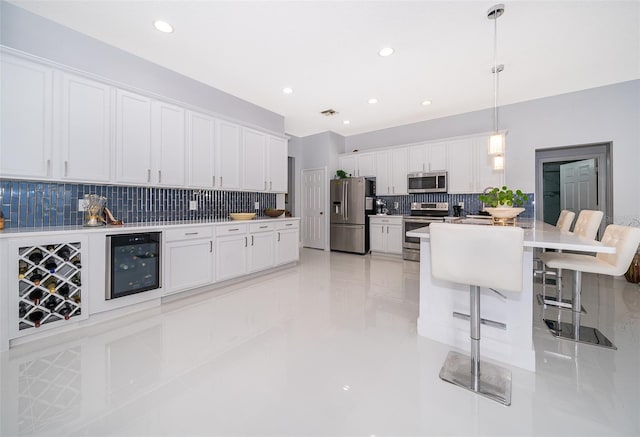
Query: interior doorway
{"type": "Point", "coordinates": [314, 201]}
{"type": "Point", "coordinates": [574, 178]}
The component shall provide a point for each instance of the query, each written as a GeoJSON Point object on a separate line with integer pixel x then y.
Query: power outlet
{"type": "Point", "coordinates": [193, 205]}
{"type": "Point", "coordinates": [82, 205]}
{"type": "Point", "coordinates": [256, 205]}
{"type": "Point", "coordinates": [461, 205]}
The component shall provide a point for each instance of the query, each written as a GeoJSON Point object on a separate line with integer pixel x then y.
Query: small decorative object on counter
{"type": "Point", "coordinates": [110, 219]}
{"type": "Point", "coordinates": [501, 203]}
{"type": "Point", "coordinates": [633, 273]}
{"type": "Point", "coordinates": [242, 215]}
{"type": "Point", "coordinates": [94, 205]}
{"type": "Point", "coordinates": [1, 219]}
{"type": "Point", "coordinates": [270, 212]}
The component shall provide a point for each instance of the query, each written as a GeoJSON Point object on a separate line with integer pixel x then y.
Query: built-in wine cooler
{"type": "Point", "coordinates": [49, 284]}
{"type": "Point", "coordinates": [133, 264]}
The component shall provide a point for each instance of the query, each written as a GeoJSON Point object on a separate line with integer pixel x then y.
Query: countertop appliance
{"type": "Point", "coordinates": [427, 182]}
{"type": "Point", "coordinates": [422, 214]}
{"type": "Point", "coordinates": [133, 263]}
{"type": "Point", "coordinates": [351, 204]}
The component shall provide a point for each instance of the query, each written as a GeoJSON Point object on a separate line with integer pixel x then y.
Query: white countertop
{"type": "Point", "coordinates": [159, 225]}
{"type": "Point", "coordinates": [543, 235]}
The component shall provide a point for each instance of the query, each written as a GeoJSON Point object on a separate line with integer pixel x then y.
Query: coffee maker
{"type": "Point", "coordinates": [381, 207]}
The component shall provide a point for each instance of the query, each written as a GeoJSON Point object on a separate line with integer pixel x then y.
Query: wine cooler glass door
{"type": "Point", "coordinates": [133, 264]}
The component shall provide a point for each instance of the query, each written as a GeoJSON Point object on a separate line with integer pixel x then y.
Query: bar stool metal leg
{"type": "Point", "coordinates": [488, 380]}
{"type": "Point", "coordinates": [574, 330]}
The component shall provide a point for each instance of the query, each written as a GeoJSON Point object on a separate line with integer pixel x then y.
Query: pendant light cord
{"type": "Point", "coordinates": [495, 72]}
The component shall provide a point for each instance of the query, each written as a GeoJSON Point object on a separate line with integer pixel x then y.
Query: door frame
{"type": "Point", "coordinates": [326, 204]}
{"type": "Point", "coordinates": [601, 152]}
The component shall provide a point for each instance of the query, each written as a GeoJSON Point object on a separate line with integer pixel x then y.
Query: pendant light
{"type": "Point", "coordinates": [496, 140]}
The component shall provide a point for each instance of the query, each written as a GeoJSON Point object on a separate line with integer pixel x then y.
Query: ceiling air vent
{"type": "Point", "coordinates": [329, 112]}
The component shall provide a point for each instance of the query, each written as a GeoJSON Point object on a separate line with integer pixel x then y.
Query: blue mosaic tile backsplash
{"type": "Point", "coordinates": [28, 204]}
{"type": "Point", "coordinates": [471, 203]}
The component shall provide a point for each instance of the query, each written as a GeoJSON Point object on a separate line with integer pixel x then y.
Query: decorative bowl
{"type": "Point", "coordinates": [242, 215]}
{"type": "Point", "coordinates": [504, 212]}
{"type": "Point", "coordinates": [273, 212]}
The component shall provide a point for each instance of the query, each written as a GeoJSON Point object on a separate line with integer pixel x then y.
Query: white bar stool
{"type": "Point", "coordinates": [564, 222]}
{"type": "Point", "coordinates": [458, 254]}
{"type": "Point", "coordinates": [587, 227]}
{"type": "Point", "coordinates": [626, 240]}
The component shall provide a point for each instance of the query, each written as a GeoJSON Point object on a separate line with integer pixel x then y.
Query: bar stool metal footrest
{"type": "Point", "coordinates": [586, 334]}
{"type": "Point", "coordinates": [494, 382]}
{"type": "Point", "coordinates": [562, 305]}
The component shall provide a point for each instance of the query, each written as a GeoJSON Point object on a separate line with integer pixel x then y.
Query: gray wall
{"type": "Point", "coordinates": [609, 113]}
{"type": "Point", "coordinates": [30, 33]}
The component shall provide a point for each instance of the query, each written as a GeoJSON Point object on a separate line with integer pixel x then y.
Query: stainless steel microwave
{"type": "Point", "coordinates": [429, 182]}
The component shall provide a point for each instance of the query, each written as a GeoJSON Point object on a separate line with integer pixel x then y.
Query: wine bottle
{"type": "Point", "coordinates": [76, 298]}
{"type": "Point", "coordinates": [35, 296]}
{"type": "Point", "coordinates": [22, 310]}
{"type": "Point", "coordinates": [51, 303]}
{"type": "Point", "coordinates": [36, 317]}
{"type": "Point", "coordinates": [22, 269]}
{"type": "Point", "coordinates": [36, 277]}
{"type": "Point", "coordinates": [64, 253]}
{"type": "Point", "coordinates": [35, 256]}
{"type": "Point", "coordinates": [51, 283]}
{"type": "Point", "coordinates": [51, 265]}
{"type": "Point", "coordinates": [76, 262]}
{"type": "Point", "coordinates": [65, 311]}
{"type": "Point", "coordinates": [64, 291]}
{"type": "Point", "coordinates": [51, 247]}
{"type": "Point", "coordinates": [76, 280]}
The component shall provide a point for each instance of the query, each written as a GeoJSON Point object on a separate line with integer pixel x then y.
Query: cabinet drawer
{"type": "Point", "coordinates": [386, 220]}
{"type": "Point", "coordinates": [261, 227]}
{"type": "Point", "coordinates": [293, 224]}
{"type": "Point", "coordinates": [188, 233]}
{"type": "Point", "coordinates": [231, 229]}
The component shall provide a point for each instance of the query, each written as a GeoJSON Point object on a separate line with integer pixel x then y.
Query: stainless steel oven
{"type": "Point", "coordinates": [133, 263]}
{"type": "Point", "coordinates": [422, 214]}
{"type": "Point", "coordinates": [430, 182]}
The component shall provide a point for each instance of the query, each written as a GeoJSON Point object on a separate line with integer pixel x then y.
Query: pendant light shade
{"type": "Point", "coordinates": [496, 140]}
{"type": "Point", "coordinates": [498, 162]}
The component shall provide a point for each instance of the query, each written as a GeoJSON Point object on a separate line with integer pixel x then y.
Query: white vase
{"type": "Point", "coordinates": [504, 211]}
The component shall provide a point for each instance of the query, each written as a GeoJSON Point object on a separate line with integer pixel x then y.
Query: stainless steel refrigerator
{"type": "Point", "coordinates": [351, 204]}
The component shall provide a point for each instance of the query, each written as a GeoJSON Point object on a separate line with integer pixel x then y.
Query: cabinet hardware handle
{"type": "Point", "coordinates": [210, 246]}
{"type": "Point", "coordinates": [245, 241]}
{"type": "Point", "coordinates": [270, 185]}
{"type": "Point", "coordinates": [66, 168]}
{"type": "Point", "coordinates": [148, 175]}
{"type": "Point", "coordinates": [265, 185]}
{"type": "Point", "coordinates": [48, 167]}
{"type": "Point", "coordinates": [382, 230]}
{"type": "Point", "coordinates": [190, 233]}
{"type": "Point", "coordinates": [233, 229]}
{"type": "Point", "coordinates": [264, 227]}
{"type": "Point", "coordinates": [220, 180]}
{"type": "Point", "coordinates": [214, 181]}
{"type": "Point", "coordinates": [388, 189]}
{"type": "Point", "coordinates": [289, 224]}
{"type": "Point", "coordinates": [387, 229]}
{"type": "Point", "coordinates": [278, 236]}
{"type": "Point", "coordinates": [393, 189]}
{"type": "Point", "coordinates": [159, 176]}
{"type": "Point", "coordinates": [252, 240]}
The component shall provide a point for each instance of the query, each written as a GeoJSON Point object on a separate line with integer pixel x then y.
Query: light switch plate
{"type": "Point", "coordinates": [257, 205]}
{"type": "Point", "coordinates": [193, 205]}
{"type": "Point", "coordinates": [82, 204]}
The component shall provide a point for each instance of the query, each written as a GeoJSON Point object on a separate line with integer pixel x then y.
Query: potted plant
{"type": "Point", "coordinates": [500, 202]}
{"type": "Point", "coordinates": [341, 174]}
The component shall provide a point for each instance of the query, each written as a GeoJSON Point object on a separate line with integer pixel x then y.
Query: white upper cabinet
{"type": "Point", "coordinates": [471, 167]}
{"type": "Point", "coordinates": [26, 105]}
{"type": "Point", "coordinates": [254, 150]}
{"type": "Point", "coordinates": [362, 164]}
{"type": "Point", "coordinates": [228, 163]}
{"type": "Point", "coordinates": [201, 146]}
{"type": "Point", "coordinates": [86, 130]}
{"type": "Point", "coordinates": [277, 164]}
{"type": "Point", "coordinates": [427, 157]}
{"type": "Point", "coordinates": [348, 165]}
{"type": "Point", "coordinates": [417, 159]}
{"type": "Point", "coordinates": [486, 176]}
{"type": "Point", "coordinates": [168, 150]}
{"type": "Point", "coordinates": [133, 138]}
{"type": "Point", "coordinates": [391, 178]}
{"type": "Point", "coordinates": [383, 177]}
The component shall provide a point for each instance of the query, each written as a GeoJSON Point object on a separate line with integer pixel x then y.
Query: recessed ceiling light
{"type": "Point", "coordinates": [163, 26]}
{"type": "Point", "coordinates": [346, 122]}
{"type": "Point", "coordinates": [373, 101]}
{"type": "Point", "coordinates": [287, 90]}
{"type": "Point", "coordinates": [387, 51]}
{"type": "Point", "coordinates": [426, 102]}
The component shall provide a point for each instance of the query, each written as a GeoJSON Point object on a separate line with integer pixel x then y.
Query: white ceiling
{"type": "Point", "coordinates": [327, 52]}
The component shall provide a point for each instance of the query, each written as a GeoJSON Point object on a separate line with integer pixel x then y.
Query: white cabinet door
{"type": "Point", "coordinates": [231, 256]}
{"type": "Point", "coordinates": [168, 144]}
{"type": "Point", "coordinates": [287, 246]}
{"type": "Point", "coordinates": [486, 176]}
{"type": "Point", "coordinates": [348, 164]}
{"type": "Point", "coordinates": [277, 164]}
{"type": "Point", "coordinates": [201, 146]}
{"type": "Point", "coordinates": [461, 166]}
{"type": "Point", "coordinates": [437, 156]}
{"type": "Point", "coordinates": [398, 171]}
{"type": "Point", "coordinates": [394, 239]}
{"type": "Point", "coordinates": [86, 130]}
{"type": "Point", "coordinates": [416, 159]}
{"type": "Point", "coordinates": [261, 251]}
{"type": "Point", "coordinates": [26, 117]}
{"type": "Point", "coordinates": [367, 164]}
{"type": "Point", "coordinates": [133, 138]}
{"type": "Point", "coordinates": [383, 179]}
{"type": "Point", "coordinates": [378, 239]}
{"type": "Point", "coordinates": [228, 163]}
{"type": "Point", "coordinates": [188, 264]}
{"type": "Point", "coordinates": [254, 150]}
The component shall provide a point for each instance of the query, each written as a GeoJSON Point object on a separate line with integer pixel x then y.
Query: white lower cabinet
{"type": "Point", "coordinates": [189, 259]}
{"type": "Point", "coordinates": [231, 256]}
{"type": "Point", "coordinates": [385, 235]}
{"type": "Point", "coordinates": [287, 242]}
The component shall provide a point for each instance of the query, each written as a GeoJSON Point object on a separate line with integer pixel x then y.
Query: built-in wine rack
{"type": "Point", "coordinates": [49, 284]}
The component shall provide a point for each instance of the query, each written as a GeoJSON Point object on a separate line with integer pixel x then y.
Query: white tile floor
{"type": "Point", "coordinates": [327, 348]}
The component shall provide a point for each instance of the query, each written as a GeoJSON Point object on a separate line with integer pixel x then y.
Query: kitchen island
{"type": "Point", "coordinates": [507, 324]}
